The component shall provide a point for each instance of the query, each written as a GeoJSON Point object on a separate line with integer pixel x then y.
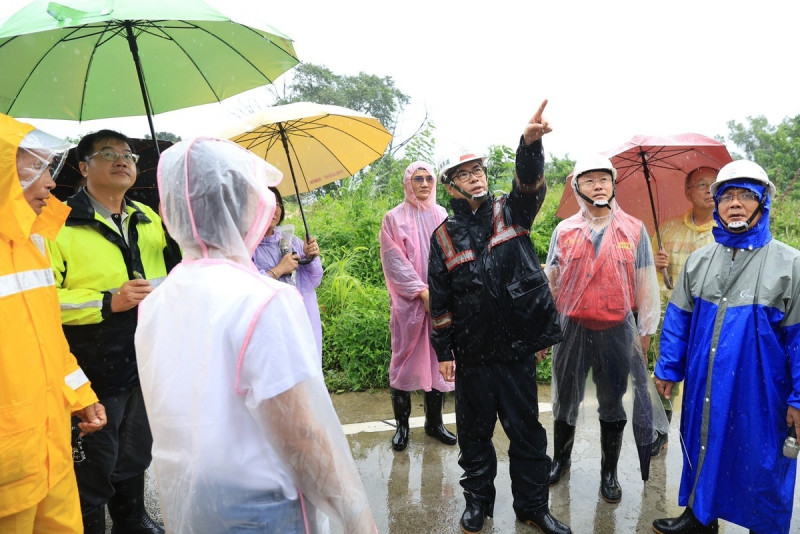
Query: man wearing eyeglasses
{"type": "Point", "coordinates": [492, 311]}
{"type": "Point", "coordinates": [106, 260]}
{"type": "Point", "coordinates": [680, 236]}
{"type": "Point", "coordinates": [405, 239]}
{"type": "Point", "coordinates": [600, 269]}
{"type": "Point", "coordinates": [732, 335]}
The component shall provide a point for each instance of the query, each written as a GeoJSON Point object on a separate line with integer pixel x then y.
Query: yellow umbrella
{"type": "Point", "coordinates": [313, 143]}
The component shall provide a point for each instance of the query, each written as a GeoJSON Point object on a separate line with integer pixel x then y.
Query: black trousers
{"type": "Point", "coordinates": [608, 354]}
{"type": "Point", "coordinates": [506, 390]}
{"type": "Point", "coordinates": [118, 452]}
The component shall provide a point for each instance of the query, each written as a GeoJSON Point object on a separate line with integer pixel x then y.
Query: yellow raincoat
{"type": "Point", "coordinates": [40, 381]}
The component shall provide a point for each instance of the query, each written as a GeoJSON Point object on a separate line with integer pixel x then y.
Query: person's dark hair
{"type": "Point", "coordinates": [85, 147]}
{"type": "Point", "coordinates": [279, 200]}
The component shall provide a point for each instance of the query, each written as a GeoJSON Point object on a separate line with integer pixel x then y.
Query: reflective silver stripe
{"type": "Point", "coordinates": [458, 259]}
{"type": "Point", "coordinates": [75, 379]}
{"type": "Point", "coordinates": [446, 319]}
{"type": "Point", "coordinates": [82, 305]}
{"type": "Point", "coordinates": [11, 284]}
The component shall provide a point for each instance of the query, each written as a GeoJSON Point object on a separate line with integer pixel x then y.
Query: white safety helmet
{"type": "Point", "coordinates": [595, 162]}
{"type": "Point", "coordinates": [463, 156]}
{"type": "Point", "coordinates": [743, 169]}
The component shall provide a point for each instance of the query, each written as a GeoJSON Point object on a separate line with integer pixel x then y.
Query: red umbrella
{"type": "Point", "coordinates": [651, 175]}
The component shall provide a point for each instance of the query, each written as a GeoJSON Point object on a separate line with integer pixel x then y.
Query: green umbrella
{"type": "Point", "coordinates": [96, 59]}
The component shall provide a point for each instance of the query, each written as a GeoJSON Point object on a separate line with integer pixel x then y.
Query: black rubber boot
{"type": "Point", "coordinates": [94, 522]}
{"type": "Point", "coordinates": [687, 523]}
{"type": "Point", "coordinates": [545, 522]}
{"type": "Point", "coordinates": [611, 444]}
{"type": "Point", "coordinates": [662, 439]}
{"type": "Point", "coordinates": [401, 404]}
{"type": "Point", "coordinates": [475, 513]}
{"type": "Point", "coordinates": [434, 401]}
{"type": "Point", "coordinates": [127, 511]}
{"type": "Point", "coordinates": [563, 439]}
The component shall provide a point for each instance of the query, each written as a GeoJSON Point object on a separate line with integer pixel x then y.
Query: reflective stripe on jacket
{"type": "Point", "coordinates": [489, 297]}
{"type": "Point", "coordinates": [40, 382]}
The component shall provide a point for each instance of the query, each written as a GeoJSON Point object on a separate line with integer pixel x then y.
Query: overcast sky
{"type": "Point", "coordinates": [609, 69]}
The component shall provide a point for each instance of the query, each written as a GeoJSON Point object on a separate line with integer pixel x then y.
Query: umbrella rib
{"type": "Point", "coordinates": [190, 25]}
{"type": "Point", "coordinates": [314, 122]}
{"type": "Point", "coordinates": [39, 62]}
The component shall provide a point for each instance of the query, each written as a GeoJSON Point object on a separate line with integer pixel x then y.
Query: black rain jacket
{"type": "Point", "coordinates": [489, 297]}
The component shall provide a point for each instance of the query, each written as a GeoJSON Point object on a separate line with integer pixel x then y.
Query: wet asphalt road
{"type": "Point", "coordinates": [416, 491]}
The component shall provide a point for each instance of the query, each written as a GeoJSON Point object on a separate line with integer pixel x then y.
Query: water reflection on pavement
{"type": "Point", "coordinates": [416, 491]}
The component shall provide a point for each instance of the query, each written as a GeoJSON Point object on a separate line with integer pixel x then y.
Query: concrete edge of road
{"type": "Point", "coordinates": [413, 422]}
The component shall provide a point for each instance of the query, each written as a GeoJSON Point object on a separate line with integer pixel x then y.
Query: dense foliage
{"type": "Point", "coordinates": [353, 297]}
{"type": "Point", "coordinates": [354, 302]}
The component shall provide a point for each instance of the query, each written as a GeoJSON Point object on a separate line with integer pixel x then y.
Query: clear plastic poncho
{"type": "Point", "coordinates": [405, 245]}
{"type": "Point", "coordinates": [604, 283]}
{"type": "Point", "coordinates": [236, 401]}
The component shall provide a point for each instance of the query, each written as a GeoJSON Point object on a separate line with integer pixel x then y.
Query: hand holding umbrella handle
{"type": "Point", "coordinates": [667, 278]}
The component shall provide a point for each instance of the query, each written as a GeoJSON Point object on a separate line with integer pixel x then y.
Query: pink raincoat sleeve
{"type": "Point", "coordinates": [403, 255]}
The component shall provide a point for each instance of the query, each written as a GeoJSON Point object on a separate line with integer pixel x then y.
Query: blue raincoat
{"type": "Point", "coordinates": [732, 333]}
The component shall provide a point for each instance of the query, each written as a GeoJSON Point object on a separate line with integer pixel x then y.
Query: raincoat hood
{"type": "Point", "coordinates": [754, 237]}
{"type": "Point", "coordinates": [215, 196]}
{"type": "Point", "coordinates": [19, 220]}
{"type": "Point", "coordinates": [409, 190]}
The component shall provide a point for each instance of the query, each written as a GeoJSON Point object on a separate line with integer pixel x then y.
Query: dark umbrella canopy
{"type": "Point", "coordinates": [643, 416]}
{"type": "Point", "coordinates": [145, 189]}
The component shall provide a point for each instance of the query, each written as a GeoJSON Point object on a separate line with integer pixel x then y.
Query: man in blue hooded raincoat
{"type": "Point", "coordinates": [732, 334]}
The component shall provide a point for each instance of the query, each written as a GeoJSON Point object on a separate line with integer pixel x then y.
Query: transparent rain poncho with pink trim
{"type": "Point", "coordinates": [405, 244]}
{"type": "Point", "coordinates": [228, 364]}
{"type": "Point", "coordinates": [604, 282]}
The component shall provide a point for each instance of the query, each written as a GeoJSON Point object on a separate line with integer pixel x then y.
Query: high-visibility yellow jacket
{"type": "Point", "coordinates": [90, 261]}
{"type": "Point", "coordinates": [40, 381]}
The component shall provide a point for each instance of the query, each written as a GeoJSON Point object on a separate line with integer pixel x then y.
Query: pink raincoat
{"type": "Point", "coordinates": [405, 245]}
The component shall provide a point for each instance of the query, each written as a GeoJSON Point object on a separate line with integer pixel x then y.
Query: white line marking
{"type": "Point", "coordinates": [413, 422]}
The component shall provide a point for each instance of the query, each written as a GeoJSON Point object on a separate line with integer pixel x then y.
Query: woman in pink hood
{"type": "Point", "coordinates": [405, 244]}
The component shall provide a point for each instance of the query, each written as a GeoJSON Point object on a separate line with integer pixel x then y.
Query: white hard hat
{"type": "Point", "coordinates": [742, 169]}
{"type": "Point", "coordinates": [463, 156]}
{"type": "Point", "coordinates": [591, 163]}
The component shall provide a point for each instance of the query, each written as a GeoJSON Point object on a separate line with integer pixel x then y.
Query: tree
{"type": "Point", "coordinates": [165, 136]}
{"type": "Point", "coordinates": [776, 148]}
{"type": "Point", "coordinates": [367, 93]}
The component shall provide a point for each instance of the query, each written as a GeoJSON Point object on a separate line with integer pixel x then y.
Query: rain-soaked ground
{"type": "Point", "coordinates": [416, 491]}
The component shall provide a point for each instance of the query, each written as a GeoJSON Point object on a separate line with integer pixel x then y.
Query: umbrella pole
{"type": "Point", "coordinates": [646, 170]}
{"type": "Point", "coordinates": [285, 142]}
{"type": "Point", "coordinates": [136, 61]}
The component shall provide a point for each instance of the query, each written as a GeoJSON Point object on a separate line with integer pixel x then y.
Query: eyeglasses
{"type": "Point", "coordinates": [743, 196]}
{"type": "Point", "coordinates": [463, 176]}
{"type": "Point", "coordinates": [605, 180]}
{"type": "Point", "coordinates": [112, 155]}
{"type": "Point", "coordinates": [420, 179]}
{"type": "Point", "coordinates": [701, 186]}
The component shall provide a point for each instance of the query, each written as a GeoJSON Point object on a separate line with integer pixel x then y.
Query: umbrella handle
{"type": "Point", "coordinates": [667, 278]}
{"type": "Point", "coordinates": [305, 261]}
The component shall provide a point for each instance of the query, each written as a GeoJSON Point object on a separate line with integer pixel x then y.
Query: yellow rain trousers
{"type": "Point", "coordinates": [40, 381]}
